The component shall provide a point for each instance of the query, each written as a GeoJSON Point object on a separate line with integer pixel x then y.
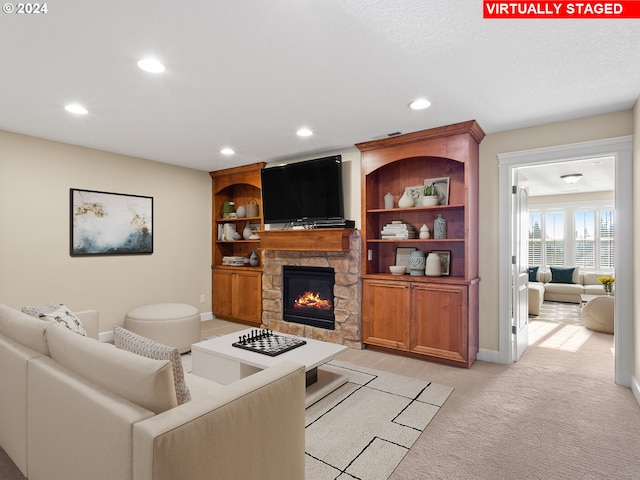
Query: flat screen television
{"type": "Point", "coordinates": [303, 191]}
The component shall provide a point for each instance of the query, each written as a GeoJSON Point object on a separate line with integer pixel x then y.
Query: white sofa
{"type": "Point", "coordinates": [73, 408]}
{"type": "Point", "coordinates": [544, 288]}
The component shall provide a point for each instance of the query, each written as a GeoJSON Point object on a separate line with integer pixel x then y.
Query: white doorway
{"type": "Point", "coordinates": [620, 149]}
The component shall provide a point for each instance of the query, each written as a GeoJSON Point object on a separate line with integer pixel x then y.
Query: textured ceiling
{"type": "Point", "coordinates": [247, 74]}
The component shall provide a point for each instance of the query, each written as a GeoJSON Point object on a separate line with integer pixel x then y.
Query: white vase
{"type": "Point", "coordinates": [424, 232]}
{"type": "Point", "coordinates": [388, 200]}
{"type": "Point", "coordinates": [406, 201]}
{"type": "Point", "coordinates": [247, 232]}
{"type": "Point", "coordinates": [434, 266]}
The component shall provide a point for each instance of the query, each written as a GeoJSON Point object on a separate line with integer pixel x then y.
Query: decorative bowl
{"type": "Point", "coordinates": [397, 269]}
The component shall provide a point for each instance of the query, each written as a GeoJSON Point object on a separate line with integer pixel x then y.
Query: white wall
{"type": "Point", "coordinates": [35, 265]}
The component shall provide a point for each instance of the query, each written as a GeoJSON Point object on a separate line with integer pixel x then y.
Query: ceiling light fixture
{"type": "Point", "coordinates": [151, 65]}
{"type": "Point", "coordinates": [76, 108]}
{"type": "Point", "coordinates": [227, 151]}
{"type": "Point", "coordinates": [420, 104]}
{"type": "Point", "coordinates": [304, 132]}
{"type": "Point", "coordinates": [571, 178]}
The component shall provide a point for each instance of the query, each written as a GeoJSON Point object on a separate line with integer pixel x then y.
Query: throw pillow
{"type": "Point", "coordinates": [533, 274]}
{"type": "Point", "coordinates": [63, 315]}
{"type": "Point", "coordinates": [562, 274]}
{"type": "Point", "coordinates": [38, 310]}
{"type": "Point", "coordinates": [134, 343]}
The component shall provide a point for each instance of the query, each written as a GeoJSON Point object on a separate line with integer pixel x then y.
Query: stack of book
{"type": "Point", "coordinates": [397, 230]}
{"type": "Point", "coordinates": [233, 261]}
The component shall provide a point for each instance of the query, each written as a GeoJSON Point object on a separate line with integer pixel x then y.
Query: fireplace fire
{"type": "Point", "coordinates": [308, 296]}
{"type": "Point", "coordinates": [312, 300]}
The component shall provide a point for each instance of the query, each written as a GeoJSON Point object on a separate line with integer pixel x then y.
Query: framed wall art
{"type": "Point", "coordinates": [104, 223]}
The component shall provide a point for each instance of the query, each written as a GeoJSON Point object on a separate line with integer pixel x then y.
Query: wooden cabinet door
{"type": "Point", "coordinates": [439, 325]}
{"type": "Point", "coordinates": [248, 296]}
{"type": "Point", "coordinates": [385, 313]}
{"type": "Point", "coordinates": [222, 293]}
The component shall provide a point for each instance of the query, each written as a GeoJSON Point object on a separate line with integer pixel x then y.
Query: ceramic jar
{"type": "Point", "coordinates": [434, 266]}
{"type": "Point", "coordinates": [416, 263]}
{"type": "Point", "coordinates": [388, 200]}
{"type": "Point", "coordinates": [247, 232]}
{"type": "Point", "coordinates": [424, 232]}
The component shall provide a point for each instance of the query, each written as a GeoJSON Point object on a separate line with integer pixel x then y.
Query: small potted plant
{"type": "Point", "coordinates": [430, 193]}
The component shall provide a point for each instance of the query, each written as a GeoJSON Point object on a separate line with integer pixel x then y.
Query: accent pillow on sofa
{"type": "Point", "coordinates": [134, 343]}
{"type": "Point", "coordinates": [66, 317]}
{"type": "Point", "coordinates": [563, 274]}
{"type": "Point", "coordinates": [533, 274]}
{"type": "Point", "coordinates": [38, 310]}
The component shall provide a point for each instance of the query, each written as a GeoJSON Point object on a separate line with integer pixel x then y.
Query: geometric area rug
{"type": "Point", "coordinates": [362, 430]}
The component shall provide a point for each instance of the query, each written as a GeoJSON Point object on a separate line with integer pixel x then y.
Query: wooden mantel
{"type": "Point", "coordinates": [316, 239]}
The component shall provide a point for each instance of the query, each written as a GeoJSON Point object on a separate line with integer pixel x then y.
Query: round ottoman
{"type": "Point", "coordinates": [172, 324]}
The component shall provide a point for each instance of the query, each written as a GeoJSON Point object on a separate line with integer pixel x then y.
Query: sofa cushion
{"type": "Point", "coordinates": [134, 343]}
{"type": "Point", "coordinates": [533, 274]}
{"type": "Point", "coordinates": [143, 381]}
{"type": "Point", "coordinates": [564, 274]}
{"type": "Point", "coordinates": [67, 318]}
{"type": "Point", "coordinates": [24, 329]}
{"type": "Point", "coordinates": [37, 310]}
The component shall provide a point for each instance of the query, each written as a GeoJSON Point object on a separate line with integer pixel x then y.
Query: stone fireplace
{"type": "Point", "coordinates": [345, 264]}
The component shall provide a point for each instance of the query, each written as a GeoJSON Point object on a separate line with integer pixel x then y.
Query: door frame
{"type": "Point", "coordinates": [620, 149]}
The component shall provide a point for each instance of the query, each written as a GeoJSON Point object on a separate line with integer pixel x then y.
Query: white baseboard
{"type": "Point", "coordinates": [206, 316]}
{"type": "Point", "coordinates": [491, 356]}
{"type": "Point", "coordinates": [635, 388]}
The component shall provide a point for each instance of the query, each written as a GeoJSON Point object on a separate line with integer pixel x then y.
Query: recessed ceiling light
{"type": "Point", "coordinates": [420, 104]}
{"type": "Point", "coordinates": [76, 108]}
{"type": "Point", "coordinates": [227, 151]}
{"type": "Point", "coordinates": [151, 65]}
{"type": "Point", "coordinates": [304, 132]}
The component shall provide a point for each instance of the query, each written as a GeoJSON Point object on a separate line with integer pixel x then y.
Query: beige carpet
{"type": "Point", "coordinates": [364, 429]}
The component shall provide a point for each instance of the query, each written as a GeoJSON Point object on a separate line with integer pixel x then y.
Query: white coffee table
{"type": "Point", "coordinates": [218, 360]}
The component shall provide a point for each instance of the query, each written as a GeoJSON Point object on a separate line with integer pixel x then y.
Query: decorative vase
{"type": "Point", "coordinates": [430, 201]}
{"type": "Point", "coordinates": [388, 200]}
{"type": "Point", "coordinates": [424, 232]}
{"type": "Point", "coordinates": [607, 288]}
{"type": "Point", "coordinates": [416, 263]}
{"type": "Point", "coordinates": [241, 212]}
{"type": "Point", "coordinates": [440, 227]}
{"type": "Point", "coordinates": [434, 266]}
{"type": "Point", "coordinates": [247, 232]}
{"type": "Point", "coordinates": [253, 259]}
{"type": "Point", "coordinates": [406, 201]}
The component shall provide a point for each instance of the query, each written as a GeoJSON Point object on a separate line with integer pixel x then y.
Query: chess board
{"type": "Point", "coordinates": [267, 343]}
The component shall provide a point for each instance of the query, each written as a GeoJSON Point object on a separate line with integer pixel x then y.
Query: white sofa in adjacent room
{"type": "Point", "coordinates": [560, 284]}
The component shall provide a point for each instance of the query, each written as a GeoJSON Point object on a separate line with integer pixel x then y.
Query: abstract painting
{"type": "Point", "coordinates": [104, 223]}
